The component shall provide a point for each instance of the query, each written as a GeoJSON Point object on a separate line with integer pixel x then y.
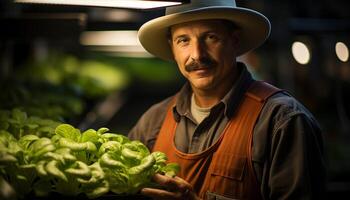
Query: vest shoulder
{"type": "Point", "coordinates": [261, 90]}
{"type": "Point", "coordinates": [282, 106]}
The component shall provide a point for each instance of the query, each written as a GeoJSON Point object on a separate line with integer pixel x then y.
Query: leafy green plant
{"type": "Point", "coordinates": [41, 99]}
{"type": "Point", "coordinates": [18, 123]}
{"type": "Point", "coordinates": [71, 162]}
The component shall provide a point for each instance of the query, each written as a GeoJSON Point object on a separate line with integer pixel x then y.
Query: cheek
{"type": "Point", "coordinates": [181, 56]}
{"type": "Point", "coordinates": [219, 50]}
{"type": "Point", "coordinates": [180, 61]}
{"type": "Point", "coordinates": [232, 49]}
{"type": "Point", "coordinates": [228, 51]}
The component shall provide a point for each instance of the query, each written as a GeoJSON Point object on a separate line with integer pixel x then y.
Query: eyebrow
{"type": "Point", "coordinates": [202, 34]}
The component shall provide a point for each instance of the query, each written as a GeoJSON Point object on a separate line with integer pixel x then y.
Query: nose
{"type": "Point", "coordinates": [198, 50]}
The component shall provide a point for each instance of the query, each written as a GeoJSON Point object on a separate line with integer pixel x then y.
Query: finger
{"type": "Point", "coordinates": [170, 183]}
{"type": "Point", "coordinates": [173, 184]}
{"type": "Point", "coordinates": [160, 194]}
{"type": "Point", "coordinates": [182, 183]}
{"type": "Point", "coordinates": [161, 179]}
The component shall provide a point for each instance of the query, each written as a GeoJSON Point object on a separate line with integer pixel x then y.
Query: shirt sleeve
{"type": "Point", "coordinates": [148, 126]}
{"type": "Point", "coordinates": [294, 167]}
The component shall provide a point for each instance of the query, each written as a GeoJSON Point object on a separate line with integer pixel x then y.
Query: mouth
{"type": "Point", "coordinates": [202, 71]}
{"type": "Point", "coordinates": [201, 68]}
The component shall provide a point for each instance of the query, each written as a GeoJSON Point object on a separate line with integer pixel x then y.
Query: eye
{"type": "Point", "coordinates": [212, 37]}
{"type": "Point", "coordinates": [182, 40]}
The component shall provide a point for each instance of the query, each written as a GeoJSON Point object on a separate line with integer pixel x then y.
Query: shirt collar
{"type": "Point", "coordinates": [183, 102]}
{"type": "Point", "coordinates": [235, 95]}
{"type": "Point", "coordinates": [230, 100]}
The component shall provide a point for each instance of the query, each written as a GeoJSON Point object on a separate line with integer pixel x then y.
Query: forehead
{"type": "Point", "coordinates": [210, 24]}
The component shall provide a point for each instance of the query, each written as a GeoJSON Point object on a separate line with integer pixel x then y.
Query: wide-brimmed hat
{"type": "Point", "coordinates": [254, 28]}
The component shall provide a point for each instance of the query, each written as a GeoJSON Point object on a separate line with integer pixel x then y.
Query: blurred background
{"type": "Point", "coordinates": [83, 65]}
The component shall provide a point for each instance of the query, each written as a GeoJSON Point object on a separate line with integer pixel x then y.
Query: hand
{"type": "Point", "coordinates": [175, 188]}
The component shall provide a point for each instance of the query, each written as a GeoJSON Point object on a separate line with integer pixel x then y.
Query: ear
{"type": "Point", "coordinates": [169, 36]}
{"type": "Point", "coordinates": [170, 42]}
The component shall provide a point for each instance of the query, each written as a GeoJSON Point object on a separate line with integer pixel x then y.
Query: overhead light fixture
{"type": "Point", "coordinates": [133, 4]}
{"type": "Point", "coordinates": [109, 38]}
{"type": "Point", "coordinates": [114, 42]}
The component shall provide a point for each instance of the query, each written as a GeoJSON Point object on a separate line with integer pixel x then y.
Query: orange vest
{"type": "Point", "coordinates": [225, 168]}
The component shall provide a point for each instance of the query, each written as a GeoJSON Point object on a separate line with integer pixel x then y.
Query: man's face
{"type": "Point", "coordinates": [205, 52]}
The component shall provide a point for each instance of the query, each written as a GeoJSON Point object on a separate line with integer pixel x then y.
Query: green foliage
{"type": "Point", "coordinates": [91, 78]}
{"type": "Point", "coordinates": [69, 162]}
{"type": "Point", "coordinates": [98, 78]}
{"type": "Point", "coordinates": [41, 99]}
{"type": "Point", "coordinates": [18, 123]}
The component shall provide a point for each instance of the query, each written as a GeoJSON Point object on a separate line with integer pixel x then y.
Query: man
{"type": "Point", "coordinates": [234, 137]}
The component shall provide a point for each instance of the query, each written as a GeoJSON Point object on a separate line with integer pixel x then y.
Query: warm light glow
{"type": "Point", "coordinates": [136, 4]}
{"type": "Point", "coordinates": [110, 38]}
{"type": "Point", "coordinates": [301, 53]}
{"type": "Point", "coordinates": [342, 51]}
{"type": "Point", "coordinates": [121, 51]}
{"type": "Point", "coordinates": [121, 42]}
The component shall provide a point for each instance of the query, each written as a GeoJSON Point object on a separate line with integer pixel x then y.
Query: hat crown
{"type": "Point", "coordinates": [200, 4]}
{"type": "Point", "coordinates": [254, 28]}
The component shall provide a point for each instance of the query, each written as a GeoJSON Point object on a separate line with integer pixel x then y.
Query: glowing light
{"type": "Point", "coordinates": [136, 4]}
{"type": "Point", "coordinates": [342, 51]}
{"type": "Point", "coordinates": [118, 42]}
{"type": "Point", "coordinates": [109, 38]}
{"type": "Point", "coordinates": [301, 53]}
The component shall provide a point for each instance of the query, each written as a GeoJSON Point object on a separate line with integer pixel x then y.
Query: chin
{"type": "Point", "coordinates": [203, 86]}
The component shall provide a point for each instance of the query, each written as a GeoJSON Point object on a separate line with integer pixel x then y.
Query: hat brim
{"type": "Point", "coordinates": [254, 28]}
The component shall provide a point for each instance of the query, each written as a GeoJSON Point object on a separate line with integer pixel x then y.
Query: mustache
{"type": "Point", "coordinates": [202, 63]}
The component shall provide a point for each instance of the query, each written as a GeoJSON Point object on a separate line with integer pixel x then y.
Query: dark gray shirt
{"type": "Point", "coordinates": [287, 141]}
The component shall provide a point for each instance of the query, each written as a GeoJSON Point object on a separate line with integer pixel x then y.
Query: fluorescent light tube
{"type": "Point", "coordinates": [123, 43]}
{"type": "Point", "coordinates": [109, 38]}
{"type": "Point", "coordinates": [135, 4]}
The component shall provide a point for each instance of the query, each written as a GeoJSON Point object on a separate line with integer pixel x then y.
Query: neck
{"type": "Point", "coordinates": [204, 99]}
